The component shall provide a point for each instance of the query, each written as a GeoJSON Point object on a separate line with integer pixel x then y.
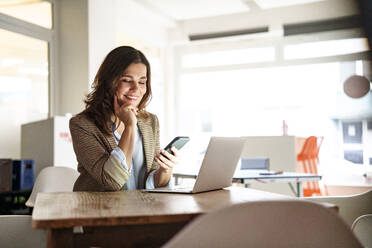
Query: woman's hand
{"type": "Point", "coordinates": [167, 162]}
{"type": "Point", "coordinates": [125, 113]}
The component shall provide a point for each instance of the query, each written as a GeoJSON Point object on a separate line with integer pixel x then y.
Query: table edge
{"type": "Point", "coordinates": [112, 221]}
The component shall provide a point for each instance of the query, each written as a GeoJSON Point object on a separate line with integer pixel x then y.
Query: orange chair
{"type": "Point", "coordinates": [307, 162]}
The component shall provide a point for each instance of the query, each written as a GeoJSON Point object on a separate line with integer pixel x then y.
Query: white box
{"type": "Point", "coordinates": [280, 150]}
{"type": "Point", "coordinates": [49, 143]}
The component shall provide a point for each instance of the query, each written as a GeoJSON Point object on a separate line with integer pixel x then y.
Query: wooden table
{"type": "Point", "coordinates": [128, 218]}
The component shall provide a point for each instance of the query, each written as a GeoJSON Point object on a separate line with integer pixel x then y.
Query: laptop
{"type": "Point", "coordinates": [217, 169]}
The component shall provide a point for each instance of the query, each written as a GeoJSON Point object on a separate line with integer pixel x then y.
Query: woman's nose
{"type": "Point", "coordinates": [135, 85]}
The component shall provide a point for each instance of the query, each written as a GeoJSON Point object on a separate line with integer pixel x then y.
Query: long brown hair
{"type": "Point", "coordinates": [99, 104]}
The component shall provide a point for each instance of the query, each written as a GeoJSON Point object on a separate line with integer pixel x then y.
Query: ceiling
{"type": "Point", "coordinates": [181, 10]}
{"type": "Point", "coordinates": [201, 20]}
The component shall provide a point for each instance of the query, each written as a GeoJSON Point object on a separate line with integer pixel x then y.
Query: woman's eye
{"type": "Point", "coordinates": [125, 80]}
{"type": "Point", "coordinates": [142, 82]}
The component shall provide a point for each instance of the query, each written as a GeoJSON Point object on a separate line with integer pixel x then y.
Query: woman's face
{"type": "Point", "coordinates": [132, 85]}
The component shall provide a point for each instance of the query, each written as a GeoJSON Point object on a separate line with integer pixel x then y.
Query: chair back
{"type": "Point", "coordinates": [285, 223]}
{"type": "Point", "coordinates": [350, 207]}
{"type": "Point", "coordinates": [16, 232]}
{"type": "Point", "coordinates": [362, 228]}
{"type": "Point", "coordinates": [307, 162]}
{"type": "Point", "coordinates": [53, 179]}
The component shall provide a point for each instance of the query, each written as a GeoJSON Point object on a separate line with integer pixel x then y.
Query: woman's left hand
{"type": "Point", "coordinates": [167, 162]}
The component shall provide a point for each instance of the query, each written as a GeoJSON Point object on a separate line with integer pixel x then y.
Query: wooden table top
{"type": "Point", "coordinates": [68, 209]}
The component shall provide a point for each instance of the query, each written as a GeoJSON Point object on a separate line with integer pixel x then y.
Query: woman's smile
{"type": "Point", "coordinates": [131, 98]}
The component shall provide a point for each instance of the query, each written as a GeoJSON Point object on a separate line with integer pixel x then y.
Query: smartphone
{"type": "Point", "coordinates": [268, 173]}
{"type": "Point", "coordinates": [178, 142]}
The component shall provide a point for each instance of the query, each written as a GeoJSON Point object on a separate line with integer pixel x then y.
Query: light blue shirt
{"type": "Point", "coordinates": [138, 169]}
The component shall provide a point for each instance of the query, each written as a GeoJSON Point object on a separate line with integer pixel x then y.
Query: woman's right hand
{"type": "Point", "coordinates": [125, 113]}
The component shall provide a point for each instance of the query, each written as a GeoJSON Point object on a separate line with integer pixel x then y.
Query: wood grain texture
{"type": "Point", "coordinates": [64, 210]}
{"type": "Point", "coordinates": [129, 218]}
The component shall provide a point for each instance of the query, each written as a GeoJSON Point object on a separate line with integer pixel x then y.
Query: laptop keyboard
{"type": "Point", "coordinates": [182, 188]}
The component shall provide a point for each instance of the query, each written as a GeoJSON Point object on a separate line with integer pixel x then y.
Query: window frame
{"type": "Point", "coordinates": [19, 26]}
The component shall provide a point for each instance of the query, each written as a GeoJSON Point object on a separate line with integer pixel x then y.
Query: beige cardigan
{"type": "Point", "coordinates": [93, 148]}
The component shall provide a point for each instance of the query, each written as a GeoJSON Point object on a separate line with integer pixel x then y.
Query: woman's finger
{"type": "Point", "coordinates": [134, 110]}
{"type": "Point", "coordinates": [175, 157]}
{"type": "Point", "coordinates": [166, 161]}
{"type": "Point", "coordinates": [162, 162]}
{"type": "Point", "coordinates": [129, 108]}
{"type": "Point", "coordinates": [175, 151]}
{"type": "Point", "coordinates": [166, 154]}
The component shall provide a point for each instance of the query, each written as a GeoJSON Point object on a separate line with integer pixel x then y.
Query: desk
{"type": "Point", "coordinates": [248, 177]}
{"type": "Point", "coordinates": [128, 218]}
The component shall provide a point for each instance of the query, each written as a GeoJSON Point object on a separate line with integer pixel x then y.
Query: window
{"type": "Point", "coordinates": [37, 12]}
{"type": "Point", "coordinates": [230, 57]}
{"type": "Point", "coordinates": [215, 99]}
{"type": "Point", "coordinates": [24, 86]}
{"type": "Point", "coordinates": [256, 101]}
{"type": "Point", "coordinates": [326, 48]}
{"type": "Point", "coordinates": [25, 54]}
{"type": "Point", "coordinates": [357, 142]}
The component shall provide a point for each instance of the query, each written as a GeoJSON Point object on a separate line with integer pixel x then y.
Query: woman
{"type": "Point", "coordinates": [115, 140]}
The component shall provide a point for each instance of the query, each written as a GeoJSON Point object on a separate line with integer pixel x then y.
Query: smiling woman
{"type": "Point", "coordinates": [115, 139]}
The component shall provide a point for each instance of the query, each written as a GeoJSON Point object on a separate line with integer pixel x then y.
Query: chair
{"type": "Point", "coordinates": [307, 162]}
{"type": "Point", "coordinates": [53, 179]}
{"type": "Point", "coordinates": [362, 228]}
{"type": "Point", "coordinates": [350, 207]}
{"type": "Point", "coordinates": [16, 231]}
{"type": "Point", "coordinates": [285, 223]}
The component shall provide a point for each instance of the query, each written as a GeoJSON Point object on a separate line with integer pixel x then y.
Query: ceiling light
{"type": "Point", "coordinates": [268, 4]}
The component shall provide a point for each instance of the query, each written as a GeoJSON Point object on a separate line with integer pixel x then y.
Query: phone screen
{"type": "Point", "coordinates": [178, 142]}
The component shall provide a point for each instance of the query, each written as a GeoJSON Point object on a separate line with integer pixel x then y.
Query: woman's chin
{"type": "Point", "coordinates": [128, 103]}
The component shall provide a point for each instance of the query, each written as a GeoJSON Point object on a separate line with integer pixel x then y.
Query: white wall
{"type": "Point", "coordinates": [88, 31]}
{"type": "Point", "coordinates": [142, 24]}
{"type": "Point", "coordinates": [73, 54]}
{"type": "Point", "coordinates": [102, 32]}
